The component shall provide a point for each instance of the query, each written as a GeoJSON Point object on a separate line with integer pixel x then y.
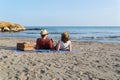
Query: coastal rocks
{"type": "Point", "coordinates": [34, 29]}
{"type": "Point", "coordinates": [0, 29]}
{"type": "Point", "coordinates": [10, 27]}
{"type": "Point", "coordinates": [5, 29]}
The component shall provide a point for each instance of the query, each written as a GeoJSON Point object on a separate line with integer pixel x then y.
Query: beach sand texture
{"type": "Point", "coordinates": [93, 61]}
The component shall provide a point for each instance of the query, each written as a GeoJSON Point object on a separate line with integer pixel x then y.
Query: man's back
{"type": "Point", "coordinates": [44, 43]}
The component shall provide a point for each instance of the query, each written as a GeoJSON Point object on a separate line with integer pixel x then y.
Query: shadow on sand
{"type": "Point", "coordinates": [7, 48]}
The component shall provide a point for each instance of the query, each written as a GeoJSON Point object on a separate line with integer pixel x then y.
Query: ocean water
{"type": "Point", "coordinates": [77, 33]}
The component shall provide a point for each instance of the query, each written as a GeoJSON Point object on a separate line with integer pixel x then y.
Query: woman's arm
{"type": "Point", "coordinates": [70, 47]}
{"type": "Point", "coordinates": [58, 45]}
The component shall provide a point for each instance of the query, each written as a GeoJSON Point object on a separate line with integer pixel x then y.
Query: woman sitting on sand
{"type": "Point", "coordinates": [64, 43]}
{"type": "Point", "coordinates": [44, 42]}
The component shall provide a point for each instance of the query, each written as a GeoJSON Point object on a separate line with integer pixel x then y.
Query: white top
{"type": "Point", "coordinates": [64, 46]}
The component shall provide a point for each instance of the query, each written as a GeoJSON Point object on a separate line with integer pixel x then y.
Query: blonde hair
{"type": "Point", "coordinates": [65, 36]}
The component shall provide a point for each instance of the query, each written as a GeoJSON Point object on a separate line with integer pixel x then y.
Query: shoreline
{"type": "Point", "coordinates": [32, 38]}
{"type": "Point", "coordinates": [95, 60]}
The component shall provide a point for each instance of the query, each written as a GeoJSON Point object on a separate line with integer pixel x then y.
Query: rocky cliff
{"type": "Point", "coordinates": [7, 26]}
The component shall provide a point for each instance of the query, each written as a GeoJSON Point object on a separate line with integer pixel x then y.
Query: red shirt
{"type": "Point", "coordinates": [44, 43]}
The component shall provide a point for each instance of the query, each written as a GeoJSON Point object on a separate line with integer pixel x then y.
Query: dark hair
{"type": "Point", "coordinates": [43, 35]}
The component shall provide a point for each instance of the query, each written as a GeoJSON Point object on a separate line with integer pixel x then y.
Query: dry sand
{"type": "Point", "coordinates": [92, 61]}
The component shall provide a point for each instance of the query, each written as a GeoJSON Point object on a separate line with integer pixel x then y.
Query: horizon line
{"type": "Point", "coordinates": [77, 25]}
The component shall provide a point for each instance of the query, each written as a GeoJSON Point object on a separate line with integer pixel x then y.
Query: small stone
{"type": "Point", "coordinates": [8, 67]}
{"type": "Point", "coordinates": [118, 71]}
{"type": "Point", "coordinates": [5, 57]}
{"type": "Point", "coordinates": [1, 59]}
{"type": "Point", "coordinates": [42, 71]}
{"type": "Point", "coordinates": [34, 64]}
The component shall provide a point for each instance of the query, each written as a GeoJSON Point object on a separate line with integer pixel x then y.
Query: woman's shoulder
{"type": "Point", "coordinates": [69, 41]}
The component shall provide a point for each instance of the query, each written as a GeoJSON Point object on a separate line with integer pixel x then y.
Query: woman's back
{"type": "Point", "coordinates": [64, 46]}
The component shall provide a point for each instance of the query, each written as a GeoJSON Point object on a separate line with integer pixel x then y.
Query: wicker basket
{"type": "Point", "coordinates": [25, 46]}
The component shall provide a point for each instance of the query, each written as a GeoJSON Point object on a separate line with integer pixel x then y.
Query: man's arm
{"type": "Point", "coordinates": [37, 44]}
{"type": "Point", "coordinates": [51, 44]}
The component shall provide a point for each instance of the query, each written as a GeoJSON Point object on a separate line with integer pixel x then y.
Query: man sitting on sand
{"type": "Point", "coordinates": [44, 42]}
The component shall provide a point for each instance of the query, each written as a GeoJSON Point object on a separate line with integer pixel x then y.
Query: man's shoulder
{"type": "Point", "coordinates": [48, 39]}
{"type": "Point", "coordinates": [39, 38]}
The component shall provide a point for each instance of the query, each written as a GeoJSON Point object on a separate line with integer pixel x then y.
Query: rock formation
{"type": "Point", "coordinates": [7, 26]}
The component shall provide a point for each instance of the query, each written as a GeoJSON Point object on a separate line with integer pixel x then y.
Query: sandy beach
{"type": "Point", "coordinates": [91, 61]}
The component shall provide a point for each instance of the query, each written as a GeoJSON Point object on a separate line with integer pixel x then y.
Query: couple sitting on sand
{"type": "Point", "coordinates": [45, 43]}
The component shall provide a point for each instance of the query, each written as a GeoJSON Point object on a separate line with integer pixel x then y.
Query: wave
{"type": "Point", "coordinates": [52, 33]}
{"type": "Point", "coordinates": [61, 33]}
{"type": "Point", "coordinates": [113, 37]}
{"type": "Point", "coordinates": [34, 28]}
{"type": "Point", "coordinates": [100, 37]}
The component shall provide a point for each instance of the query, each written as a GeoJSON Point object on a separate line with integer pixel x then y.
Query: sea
{"type": "Point", "coordinates": [76, 33]}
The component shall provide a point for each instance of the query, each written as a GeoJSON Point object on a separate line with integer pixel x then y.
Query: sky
{"type": "Point", "coordinates": [61, 12]}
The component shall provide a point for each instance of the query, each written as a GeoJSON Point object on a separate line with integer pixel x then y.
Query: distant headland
{"type": "Point", "coordinates": [10, 27]}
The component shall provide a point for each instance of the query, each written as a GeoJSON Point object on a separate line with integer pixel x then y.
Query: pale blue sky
{"type": "Point", "coordinates": [61, 12]}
